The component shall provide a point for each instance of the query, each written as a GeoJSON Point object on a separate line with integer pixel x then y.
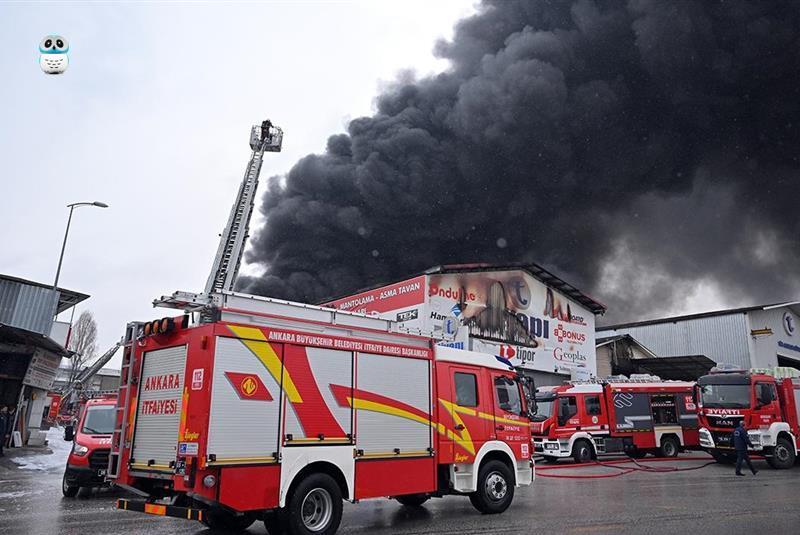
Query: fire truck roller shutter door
{"type": "Point", "coordinates": [244, 422]}
{"type": "Point", "coordinates": [155, 438]}
{"type": "Point", "coordinates": [393, 405]}
{"type": "Point", "coordinates": [632, 411]}
{"type": "Point", "coordinates": [317, 372]}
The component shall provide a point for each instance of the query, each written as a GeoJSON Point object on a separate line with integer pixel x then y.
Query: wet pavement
{"type": "Point", "coordinates": [711, 500]}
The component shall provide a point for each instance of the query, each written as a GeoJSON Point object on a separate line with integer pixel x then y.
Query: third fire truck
{"type": "Point", "coordinates": [769, 407]}
{"type": "Point", "coordinates": [643, 415]}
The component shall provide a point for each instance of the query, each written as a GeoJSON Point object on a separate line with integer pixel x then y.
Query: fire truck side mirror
{"type": "Point", "coordinates": [529, 390]}
{"type": "Point", "coordinates": [69, 433]}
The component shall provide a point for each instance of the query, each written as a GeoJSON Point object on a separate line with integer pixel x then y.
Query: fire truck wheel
{"type": "Point", "coordinates": [783, 454]}
{"type": "Point", "coordinates": [495, 488]}
{"type": "Point", "coordinates": [669, 447]}
{"type": "Point", "coordinates": [412, 500]}
{"type": "Point", "coordinates": [582, 451]}
{"type": "Point", "coordinates": [70, 491]}
{"type": "Point", "coordinates": [219, 519]}
{"type": "Point", "coordinates": [315, 506]}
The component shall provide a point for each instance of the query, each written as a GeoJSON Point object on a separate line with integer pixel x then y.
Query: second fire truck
{"type": "Point", "coordinates": [638, 416]}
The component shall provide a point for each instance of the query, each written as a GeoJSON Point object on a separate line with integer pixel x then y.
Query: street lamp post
{"type": "Point", "coordinates": [66, 233]}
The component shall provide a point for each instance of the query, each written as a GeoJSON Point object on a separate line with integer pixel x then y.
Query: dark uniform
{"type": "Point", "coordinates": [4, 425]}
{"type": "Point", "coordinates": [741, 442]}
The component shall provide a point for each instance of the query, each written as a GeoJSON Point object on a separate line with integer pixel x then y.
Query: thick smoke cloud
{"type": "Point", "coordinates": [640, 149]}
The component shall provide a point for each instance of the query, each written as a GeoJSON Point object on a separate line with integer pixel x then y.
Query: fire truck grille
{"type": "Point", "coordinates": [723, 440]}
{"type": "Point", "coordinates": [98, 460]}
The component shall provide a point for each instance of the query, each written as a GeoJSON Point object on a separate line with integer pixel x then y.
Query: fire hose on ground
{"type": "Point", "coordinates": [624, 470]}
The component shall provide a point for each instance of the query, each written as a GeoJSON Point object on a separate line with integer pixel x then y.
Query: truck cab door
{"type": "Point", "coordinates": [463, 406]}
{"type": "Point", "coordinates": [511, 424]}
{"type": "Point", "coordinates": [766, 406]}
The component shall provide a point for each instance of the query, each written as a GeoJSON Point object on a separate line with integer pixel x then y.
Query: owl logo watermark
{"type": "Point", "coordinates": [54, 57]}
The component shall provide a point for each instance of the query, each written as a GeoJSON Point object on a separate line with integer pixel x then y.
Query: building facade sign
{"type": "Point", "coordinates": [42, 370]}
{"type": "Point", "coordinates": [506, 313]}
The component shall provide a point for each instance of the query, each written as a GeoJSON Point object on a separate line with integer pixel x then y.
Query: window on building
{"type": "Point", "coordinates": [466, 389]}
{"type": "Point", "coordinates": [592, 404]}
{"type": "Point", "coordinates": [507, 393]}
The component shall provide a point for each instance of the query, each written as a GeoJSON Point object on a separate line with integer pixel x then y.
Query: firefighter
{"type": "Point", "coordinates": [741, 442]}
{"type": "Point", "coordinates": [265, 126]}
{"type": "Point", "coordinates": [4, 426]}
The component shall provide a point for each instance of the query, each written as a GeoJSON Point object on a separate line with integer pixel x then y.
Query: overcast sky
{"type": "Point", "coordinates": [153, 117]}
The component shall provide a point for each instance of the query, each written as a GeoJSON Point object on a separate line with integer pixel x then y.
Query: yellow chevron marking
{"type": "Point", "coordinates": [463, 439]}
{"type": "Point", "coordinates": [257, 343]}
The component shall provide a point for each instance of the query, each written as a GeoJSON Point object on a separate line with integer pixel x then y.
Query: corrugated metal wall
{"type": "Point", "coordinates": [721, 338]}
{"type": "Point", "coordinates": [27, 307]}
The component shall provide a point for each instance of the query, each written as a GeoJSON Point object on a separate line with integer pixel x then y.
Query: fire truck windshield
{"type": "Point", "coordinates": [99, 420]}
{"type": "Point", "coordinates": [544, 409]}
{"type": "Point", "coordinates": [726, 396]}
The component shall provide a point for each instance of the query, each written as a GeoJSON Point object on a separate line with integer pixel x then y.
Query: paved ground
{"type": "Point", "coordinates": [710, 500]}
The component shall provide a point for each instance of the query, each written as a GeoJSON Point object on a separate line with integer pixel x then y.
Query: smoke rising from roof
{"type": "Point", "coordinates": [639, 149]}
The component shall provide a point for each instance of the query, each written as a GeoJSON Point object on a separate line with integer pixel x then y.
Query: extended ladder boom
{"type": "Point", "coordinates": [83, 377]}
{"type": "Point", "coordinates": [263, 138]}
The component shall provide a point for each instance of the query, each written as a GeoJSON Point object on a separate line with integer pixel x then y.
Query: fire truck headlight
{"type": "Point", "coordinates": [209, 481]}
{"type": "Point", "coordinates": [79, 450]}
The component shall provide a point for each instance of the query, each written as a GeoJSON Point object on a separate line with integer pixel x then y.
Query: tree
{"type": "Point", "coordinates": [83, 341]}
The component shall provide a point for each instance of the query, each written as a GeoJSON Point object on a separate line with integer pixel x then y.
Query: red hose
{"type": "Point", "coordinates": [624, 470]}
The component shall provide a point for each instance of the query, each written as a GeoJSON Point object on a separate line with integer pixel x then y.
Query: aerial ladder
{"type": "Point", "coordinates": [265, 137]}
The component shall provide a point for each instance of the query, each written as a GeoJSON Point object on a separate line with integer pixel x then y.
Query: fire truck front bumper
{"type": "Point", "coordinates": [551, 447]}
{"type": "Point", "coordinates": [141, 506]}
{"type": "Point", "coordinates": [84, 476]}
{"type": "Point", "coordinates": [724, 439]}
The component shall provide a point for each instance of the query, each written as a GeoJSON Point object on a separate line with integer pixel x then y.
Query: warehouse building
{"type": "Point", "coordinates": [522, 312]}
{"type": "Point", "coordinates": [752, 337]}
{"type": "Point", "coordinates": [31, 347]}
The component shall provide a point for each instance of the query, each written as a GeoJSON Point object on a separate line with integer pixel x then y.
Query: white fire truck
{"type": "Point", "coordinates": [259, 408]}
{"type": "Point", "coordinates": [635, 416]}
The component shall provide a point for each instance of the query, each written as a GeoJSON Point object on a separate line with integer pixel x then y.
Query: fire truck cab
{"type": "Point", "coordinates": [637, 416]}
{"type": "Point", "coordinates": [279, 411]}
{"type": "Point", "coordinates": [90, 435]}
{"type": "Point", "coordinates": [769, 407]}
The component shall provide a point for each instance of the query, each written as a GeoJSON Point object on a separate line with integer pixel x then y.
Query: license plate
{"type": "Point", "coordinates": [101, 473]}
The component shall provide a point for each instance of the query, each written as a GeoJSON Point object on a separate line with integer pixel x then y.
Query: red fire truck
{"type": "Point", "coordinates": [770, 408]}
{"type": "Point", "coordinates": [90, 433]}
{"type": "Point", "coordinates": [638, 416]}
{"type": "Point", "coordinates": [278, 411]}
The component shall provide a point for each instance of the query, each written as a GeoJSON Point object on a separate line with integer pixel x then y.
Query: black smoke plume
{"type": "Point", "coordinates": [647, 151]}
